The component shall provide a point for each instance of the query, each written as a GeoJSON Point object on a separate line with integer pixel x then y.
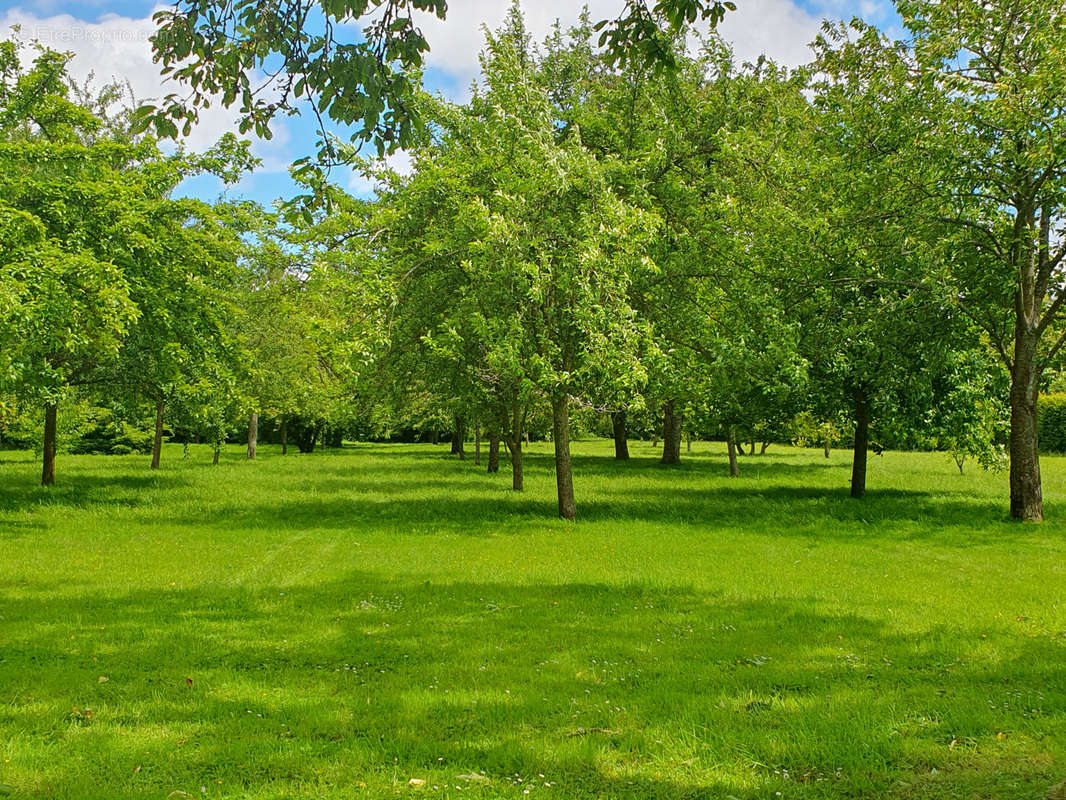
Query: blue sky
{"type": "Point", "coordinates": [109, 38]}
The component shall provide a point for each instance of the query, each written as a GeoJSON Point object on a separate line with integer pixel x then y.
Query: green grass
{"type": "Point", "coordinates": [332, 626]}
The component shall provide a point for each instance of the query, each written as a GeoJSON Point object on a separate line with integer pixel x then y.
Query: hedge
{"type": "Point", "coordinates": [1051, 422]}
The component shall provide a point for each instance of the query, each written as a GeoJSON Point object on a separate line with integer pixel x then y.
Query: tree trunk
{"type": "Point", "coordinates": [671, 435]}
{"type": "Point", "coordinates": [731, 447]}
{"type": "Point", "coordinates": [284, 436]}
{"type": "Point", "coordinates": [688, 442]}
{"type": "Point", "coordinates": [621, 436]}
{"type": "Point", "coordinates": [762, 449]}
{"type": "Point", "coordinates": [862, 441]}
{"type": "Point", "coordinates": [157, 439]}
{"type": "Point", "coordinates": [477, 444]}
{"type": "Point", "coordinates": [515, 446]}
{"type": "Point", "coordinates": [494, 454]}
{"type": "Point", "coordinates": [825, 449]}
{"type": "Point", "coordinates": [458, 435]}
{"type": "Point", "coordinates": [564, 479]}
{"type": "Point", "coordinates": [253, 433]}
{"type": "Point", "coordinates": [48, 452]}
{"type": "Point", "coordinates": [1026, 494]}
{"type": "Point", "coordinates": [215, 459]}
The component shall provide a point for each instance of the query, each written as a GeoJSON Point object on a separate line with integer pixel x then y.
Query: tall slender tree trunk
{"type": "Point", "coordinates": [214, 460]}
{"type": "Point", "coordinates": [515, 446]}
{"type": "Point", "coordinates": [825, 449]}
{"type": "Point", "coordinates": [285, 436]}
{"type": "Point", "coordinates": [731, 448]}
{"type": "Point", "coordinates": [458, 435]}
{"type": "Point", "coordinates": [1026, 493]}
{"type": "Point", "coordinates": [762, 449]}
{"type": "Point", "coordinates": [621, 436]}
{"type": "Point", "coordinates": [48, 451]}
{"type": "Point", "coordinates": [157, 439]}
{"type": "Point", "coordinates": [494, 453]}
{"type": "Point", "coordinates": [253, 433]}
{"type": "Point", "coordinates": [477, 444]}
{"type": "Point", "coordinates": [862, 442]}
{"type": "Point", "coordinates": [564, 479]}
{"type": "Point", "coordinates": [671, 435]}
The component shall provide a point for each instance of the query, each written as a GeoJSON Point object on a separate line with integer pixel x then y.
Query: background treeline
{"type": "Point", "coordinates": [867, 252]}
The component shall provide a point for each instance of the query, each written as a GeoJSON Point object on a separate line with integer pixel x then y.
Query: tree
{"type": "Point", "coordinates": [68, 207]}
{"type": "Point", "coordinates": [183, 282]}
{"type": "Point", "coordinates": [984, 83]}
{"type": "Point", "coordinates": [529, 254]}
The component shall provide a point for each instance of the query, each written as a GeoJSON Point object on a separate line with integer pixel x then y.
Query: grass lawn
{"type": "Point", "coordinates": [335, 625]}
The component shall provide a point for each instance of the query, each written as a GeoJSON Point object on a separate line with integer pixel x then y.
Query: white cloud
{"type": "Point", "coordinates": [361, 185]}
{"type": "Point", "coordinates": [778, 28]}
{"type": "Point", "coordinates": [456, 42]}
{"type": "Point", "coordinates": [118, 48]}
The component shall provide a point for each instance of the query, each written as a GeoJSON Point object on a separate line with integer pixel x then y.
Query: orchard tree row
{"type": "Point", "coordinates": [618, 222]}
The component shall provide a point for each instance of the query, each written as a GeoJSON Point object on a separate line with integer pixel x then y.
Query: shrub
{"type": "Point", "coordinates": [1051, 422]}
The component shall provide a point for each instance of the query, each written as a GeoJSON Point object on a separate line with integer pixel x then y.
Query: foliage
{"type": "Point", "coordinates": [1053, 423]}
{"type": "Point", "coordinates": [83, 428]}
{"type": "Point", "coordinates": [366, 80]}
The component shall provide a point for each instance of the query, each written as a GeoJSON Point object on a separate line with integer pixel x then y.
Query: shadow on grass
{"type": "Point", "coordinates": [605, 691]}
{"type": "Point", "coordinates": [458, 501]}
{"type": "Point", "coordinates": [78, 489]}
{"type": "Point", "coordinates": [422, 489]}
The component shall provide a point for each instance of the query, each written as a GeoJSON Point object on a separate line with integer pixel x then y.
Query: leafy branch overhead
{"type": "Point", "coordinates": [353, 62]}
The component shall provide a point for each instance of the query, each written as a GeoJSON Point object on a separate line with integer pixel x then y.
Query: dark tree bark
{"type": "Point", "coordinates": [253, 433]}
{"type": "Point", "coordinates": [284, 436]}
{"type": "Point", "coordinates": [1026, 493]}
{"type": "Point", "coordinates": [494, 454]}
{"type": "Point", "coordinates": [304, 435]}
{"type": "Point", "coordinates": [215, 459]}
{"type": "Point", "coordinates": [458, 435]}
{"type": "Point", "coordinates": [515, 446]}
{"type": "Point", "coordinates": [477, 444]}
{"type": "Point", "coordinates": [862, 443]}
{"type": "Point", "coordinates": [564, 479]}
{"type": "Point", "coordinates": [825, 449]}
{"type": "Point", "coordinates": [731, 447]}
{"type": "Point", "coordinates": [671, 435]}
{"type": "Point", "coordinates": [48, 452]}
{"type": "Point", "coordinates": [621, 436]}
{"type": "Point", "coordinates": [434, 437]}
{"type": "Point", "coordinates": [762, 449]}
{"type": "Point", "coordinates": [157, 438]}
